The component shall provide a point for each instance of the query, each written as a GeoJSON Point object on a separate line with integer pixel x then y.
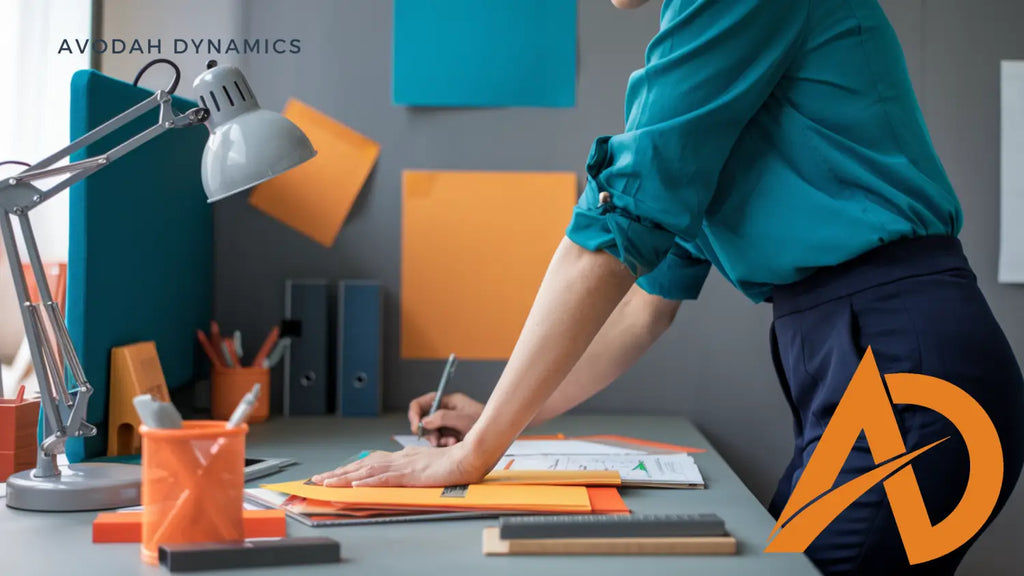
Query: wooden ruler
{"type": "Point", "coordinates": [495, 546]}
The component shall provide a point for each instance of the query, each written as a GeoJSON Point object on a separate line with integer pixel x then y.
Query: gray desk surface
{"type": "Point", "coordinates": [37, 543]}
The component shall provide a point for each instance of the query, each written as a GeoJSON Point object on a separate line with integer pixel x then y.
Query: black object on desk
{"type": "Point", "coordinates": [249, 554]}
{"type": "Point", "coordinates": [611, 526]}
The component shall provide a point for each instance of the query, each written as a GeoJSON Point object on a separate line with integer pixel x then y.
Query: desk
{"type": "Point", "coordinates": [38, 543]}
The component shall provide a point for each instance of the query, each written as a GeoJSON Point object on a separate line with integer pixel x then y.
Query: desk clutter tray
{"type": "Point", "coordinates": [636, 534]}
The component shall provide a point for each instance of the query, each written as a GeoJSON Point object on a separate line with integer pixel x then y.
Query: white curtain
{"type": "Point", "coordinates": [34, 116]}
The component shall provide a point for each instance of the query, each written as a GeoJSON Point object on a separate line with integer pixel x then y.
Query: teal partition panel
{"type": "Point", "coordinates": [140, 258]}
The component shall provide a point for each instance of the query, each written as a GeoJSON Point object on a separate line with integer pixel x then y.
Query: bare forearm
{"type": "Point", "coordinates": [578, 294]}
{"type": "Point", "coordinates": [637, 322]}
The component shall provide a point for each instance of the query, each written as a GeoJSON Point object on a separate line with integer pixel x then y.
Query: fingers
{"type": "Point", "coordinates": [381, 481]}
{"type": "Point", "coordinates": [341, 471]}
{"type": "Point", "coordinates": [454, 419]}
{"type": "Point", "coordinates": [448, 441]}
{"type": "Point", "coordinates": [453, 400]}
{"type": "Point", "coordinates": [433, 436]}
{"type": "Point", "coordinates": [417, 408]}
{"type": "Point", "coordinates": [362, 473]}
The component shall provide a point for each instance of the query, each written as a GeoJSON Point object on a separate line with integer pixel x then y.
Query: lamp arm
{"type": "Point", "coordinates": [64, 416]}
{"type": "Point", "coordinates": [24, 198]}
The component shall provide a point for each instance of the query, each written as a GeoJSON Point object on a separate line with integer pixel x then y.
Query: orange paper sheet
{"type": "Point", "coordinates": [475, 246]}
{"type": "Point", "coordinates": [606, 501]}
{"type": "Point", "coordinates": [566, 499]}
{"type": "Point", "coordinates": [315, 198]}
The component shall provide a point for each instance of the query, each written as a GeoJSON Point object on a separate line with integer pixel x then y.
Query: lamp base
{"type": "Point", "coordinates": [80, 487]}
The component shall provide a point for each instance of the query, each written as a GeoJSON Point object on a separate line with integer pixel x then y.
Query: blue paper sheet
{"type": "Point", "coordinates": [484, 53]}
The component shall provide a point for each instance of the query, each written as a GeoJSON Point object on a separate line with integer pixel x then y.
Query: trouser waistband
{"type": "Point", "coordinates": [894, 261]}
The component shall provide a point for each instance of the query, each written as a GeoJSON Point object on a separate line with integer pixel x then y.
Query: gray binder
{"type": "Point", "coordinates": [307, 364]}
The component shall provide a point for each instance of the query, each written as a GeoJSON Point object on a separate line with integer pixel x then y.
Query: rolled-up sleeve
{"type": "Point", "coordinates": [680, 276]}
{"type": "Point", "coordinates": [711, 66]}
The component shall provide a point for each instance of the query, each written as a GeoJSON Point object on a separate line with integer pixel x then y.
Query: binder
{"type": "Point", "coordinates": [359, 344]}
{"type": "Point", "coordinates": [306, 364]}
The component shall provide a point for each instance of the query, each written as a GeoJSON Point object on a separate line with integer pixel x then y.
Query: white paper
{"type": "Point", "coordinates": [1011, 210]}
{"type": "Point", "coordinates": [407, 440]}
{"type": "Point", "coordinates": [650, 469]}
{"type": "Point", "coordinates": [539, 447]}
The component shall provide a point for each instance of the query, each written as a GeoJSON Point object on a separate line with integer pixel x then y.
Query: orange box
{"type": "Point", "coordinates": [229, 385]}
{"type": "Point", "coordinates": [11, 462]}
{"type": "Point", "coordinates": [192, 484]}
{"type": "Point", "coordinates": [126, 527]}
{"type": "Point", "coordinates": [18, 422]}
{"type": "Point", "coordinates": [18, 448]}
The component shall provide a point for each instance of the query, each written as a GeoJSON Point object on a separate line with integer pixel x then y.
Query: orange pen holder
{"type": "Point", "coordinates": [229, 385]}
{"type": "Point", "coordinates": [192, 483]}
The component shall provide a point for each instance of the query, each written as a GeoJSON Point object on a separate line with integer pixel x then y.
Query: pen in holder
{"type": "Point", "coordinates": [192, 483]}
{"type": "Point", "coordinates": [229, 385]}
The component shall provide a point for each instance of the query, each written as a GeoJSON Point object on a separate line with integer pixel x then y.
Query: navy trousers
{"type": "Point", "coordinates": [916, 303]}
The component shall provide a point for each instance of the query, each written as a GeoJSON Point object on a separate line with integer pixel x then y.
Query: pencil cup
{"type": "Point", "coordinates": [229, 385]}
{"type": "Point", "coordinates": [192, 483]}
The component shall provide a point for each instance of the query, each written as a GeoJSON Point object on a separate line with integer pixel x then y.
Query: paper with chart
{"type": "Point", "coordinates": [1011, 208]}
{"type": "Point", "coordinates": [666, 470]}
{"type": "Point", "coordinates": [540, 447]}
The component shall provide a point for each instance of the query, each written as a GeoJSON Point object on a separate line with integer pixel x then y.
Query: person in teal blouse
{"type": "Point", "coordinates": [779, 141]}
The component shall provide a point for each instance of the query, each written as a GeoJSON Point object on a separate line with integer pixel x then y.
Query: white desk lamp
{"type": "Point", "coordinates": [247, 145]}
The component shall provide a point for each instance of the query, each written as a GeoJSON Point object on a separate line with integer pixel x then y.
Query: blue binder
{"type": "Point", "coordinates": [359, 342]}
{"type": "Point", "coordinates": [306, 364]}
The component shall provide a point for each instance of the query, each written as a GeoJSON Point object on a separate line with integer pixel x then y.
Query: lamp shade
{"type": "Point", "coordinates": [247, 144]}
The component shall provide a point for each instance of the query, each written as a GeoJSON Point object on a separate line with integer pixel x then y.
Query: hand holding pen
{"type": "Point", "coordinates": [449, 369]}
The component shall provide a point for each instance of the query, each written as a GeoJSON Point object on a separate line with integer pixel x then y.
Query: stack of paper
{"type": "Point", "coordinates": [318, 505]}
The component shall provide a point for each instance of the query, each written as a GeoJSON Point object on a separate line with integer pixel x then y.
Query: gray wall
{"type": "Point", "coordinates": [713, 366]}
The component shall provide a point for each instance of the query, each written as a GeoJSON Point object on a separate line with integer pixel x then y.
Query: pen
{"type": "Point", "coordinates": [21, 394]}
{"type": "Point", "coordinates": [445, 376]}
{"type": "Point", "coordinates": [275, 356]}
{"type": "Point", "coordinates": [268, 344]}
{"type": "Point", "coordinates": [238, 344]}
{"type": "Point", "coordinates": [244, 408]}
{"type": "Point", "coordinates": [229, 353]}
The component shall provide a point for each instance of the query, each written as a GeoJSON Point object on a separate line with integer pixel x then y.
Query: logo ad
{"type": "Point", "coordinates": [867, 406]}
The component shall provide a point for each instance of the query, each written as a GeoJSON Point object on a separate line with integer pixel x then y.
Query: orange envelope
{"type": "Point", "coordinates": [315, 198]}
{"type": "Point", "coordinates": [567, 499]}
{"type": "Point", "coordinates": [475, 247]}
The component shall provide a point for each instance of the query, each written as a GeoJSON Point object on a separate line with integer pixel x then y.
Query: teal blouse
{"type": "Point", "coordinates": [768, 138]}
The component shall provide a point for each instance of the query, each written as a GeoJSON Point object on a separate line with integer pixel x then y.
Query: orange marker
{"type": "Point", "coordinates": [21, 395]}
